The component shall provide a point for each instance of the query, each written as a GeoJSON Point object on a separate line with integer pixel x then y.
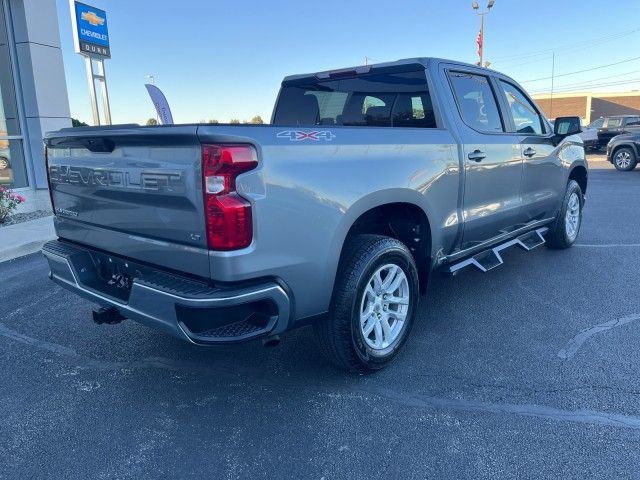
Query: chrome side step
{"type": "Point", "coordinates": [490, 258]}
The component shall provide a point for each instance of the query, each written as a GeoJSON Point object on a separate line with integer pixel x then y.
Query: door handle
{"type": "Point", "coordinates": [529, 152]}
{"type": "Point", "coordinates": [477, 156]}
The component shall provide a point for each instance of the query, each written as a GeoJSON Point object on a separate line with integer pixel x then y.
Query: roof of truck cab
{"type": "Point", "coordinates": [405, 62]}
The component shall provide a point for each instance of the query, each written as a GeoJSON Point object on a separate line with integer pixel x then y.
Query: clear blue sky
{"type": "Point", "coordinates": [225, 59]}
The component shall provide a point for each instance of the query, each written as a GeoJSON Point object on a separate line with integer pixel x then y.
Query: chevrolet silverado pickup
{"type": "Point", "coordinates": [335, 214]}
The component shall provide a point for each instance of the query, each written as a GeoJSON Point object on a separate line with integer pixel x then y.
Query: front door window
{"type": "Point", "coordinates": [525, 116]}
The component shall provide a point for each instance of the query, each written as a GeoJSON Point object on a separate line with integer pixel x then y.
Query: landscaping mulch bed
{"type": "Point", "coordinates": [25, 217]}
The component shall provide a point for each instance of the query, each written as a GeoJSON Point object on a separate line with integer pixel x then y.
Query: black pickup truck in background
{"type": "Point", "coordinates": [616, 125]}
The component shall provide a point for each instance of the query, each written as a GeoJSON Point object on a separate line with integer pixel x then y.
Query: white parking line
{"type": "Point", "coordinates": [571, 348]}
{"type": "Point", "coordinates": [608, 245]}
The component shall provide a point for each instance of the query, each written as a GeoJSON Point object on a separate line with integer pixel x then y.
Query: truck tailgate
{"type": "Point", "coordinates": [132, 191]}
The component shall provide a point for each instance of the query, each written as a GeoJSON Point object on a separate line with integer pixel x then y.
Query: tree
{"type": "Point", "coordinates": [152, 121]}
{"type": "Point", "coordinates": [257, 120]}
{"type": "Point", "coordinates": [213, 121]}
{"type": "Point", "coordinates": [77, 123]}
{"type": "Point", "coordinates": [234, 121]}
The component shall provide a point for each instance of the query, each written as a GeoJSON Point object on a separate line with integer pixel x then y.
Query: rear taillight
{"type": "Point", "coordinates": [227, 214]}
{"type": "Point", "coordinates": [46, 166]}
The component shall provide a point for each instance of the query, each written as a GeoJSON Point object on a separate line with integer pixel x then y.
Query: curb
{"type": "Point", "coordinates": [25, 238]}
{"type": "Point", "coordinates": [24, 249]}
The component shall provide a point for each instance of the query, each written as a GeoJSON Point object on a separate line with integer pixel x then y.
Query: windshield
{"type": "Point", "coordinates": [597, 123]}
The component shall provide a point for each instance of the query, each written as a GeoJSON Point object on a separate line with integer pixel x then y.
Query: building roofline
{"type": "Point", "coordinates": [543, 96]}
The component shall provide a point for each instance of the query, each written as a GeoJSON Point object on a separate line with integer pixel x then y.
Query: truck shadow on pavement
{"type": "Point", "coordinates": [464, 338]}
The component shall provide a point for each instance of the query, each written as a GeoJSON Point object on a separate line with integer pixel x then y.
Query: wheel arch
{"type": "Point", "coordinates": [393, 213]}
{"type": "Point", "coordinates": [632, 145]}
{"type": "Point", "coordinates": [580, 174]}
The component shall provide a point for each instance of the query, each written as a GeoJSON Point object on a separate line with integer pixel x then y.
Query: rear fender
{"type": "Point", "coordinates": [363, 205]}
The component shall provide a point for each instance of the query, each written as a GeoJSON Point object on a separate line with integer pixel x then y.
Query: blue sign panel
{"type": "Point", "coordinates": [92, 32]}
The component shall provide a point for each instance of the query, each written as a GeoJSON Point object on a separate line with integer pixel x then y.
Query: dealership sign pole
{"type": "Point", "coordinates": [91, 40]}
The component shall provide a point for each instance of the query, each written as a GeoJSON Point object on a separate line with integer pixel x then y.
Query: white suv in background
{"type": "Point", "coordinates": [589, 135]}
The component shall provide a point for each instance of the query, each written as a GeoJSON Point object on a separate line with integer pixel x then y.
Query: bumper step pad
{"type": "Point", "coordinates": [241, 329]}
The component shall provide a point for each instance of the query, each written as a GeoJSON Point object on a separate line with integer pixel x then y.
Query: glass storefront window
{"type": "Point", "coordinates": [12, 166]}
{"type": "Point", "coordinates": [12, 161]}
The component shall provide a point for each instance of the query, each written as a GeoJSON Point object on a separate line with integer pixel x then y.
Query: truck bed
{"type": "Point", "coordinates": [137, 192]}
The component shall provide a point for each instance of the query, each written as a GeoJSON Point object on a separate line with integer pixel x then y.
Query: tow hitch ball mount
{"type": "Point", "coordinates": [107, 315]}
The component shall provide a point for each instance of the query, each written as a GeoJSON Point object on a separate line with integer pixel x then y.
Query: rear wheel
{"type": "Point", "coordinates": [566, 227]}
{"type": "Point", "coordinates": [373, 305]}
{"type": "Point", "coordinates": [624, 159]}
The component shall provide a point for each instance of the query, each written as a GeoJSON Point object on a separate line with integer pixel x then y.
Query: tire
{"type": "Point", "coordinates": [342, 336]}
{"type": "Point", "coordinates": [562, 235]}
{"type": "Point", "coordinates": [624, 159]}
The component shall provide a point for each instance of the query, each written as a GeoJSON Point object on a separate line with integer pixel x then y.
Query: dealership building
{"type": "Point", "coordinates": [33, 94]}
{"type": "Point", "coordinates": [589, 105]}
{"type": "Point", "coordinates": [34, 99]}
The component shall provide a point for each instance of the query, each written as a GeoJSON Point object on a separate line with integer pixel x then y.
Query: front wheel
{"type": "Point", "coordinates": [374, 301]}
{"type": "Point", "coordinates": [624, 159]}
{"type": "Point", "coordinates": [565, 229]}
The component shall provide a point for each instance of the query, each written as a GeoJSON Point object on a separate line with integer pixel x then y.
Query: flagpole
{"type": "Point", "coordinates": [480, 39]}
{"type": "Point", "coordinates": [480, 50]}
{"type": "Point", "coordinates": [553, 72]}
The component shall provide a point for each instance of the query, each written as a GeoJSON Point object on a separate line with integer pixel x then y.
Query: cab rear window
{"type": "Point", "coordinates": [369, 100]}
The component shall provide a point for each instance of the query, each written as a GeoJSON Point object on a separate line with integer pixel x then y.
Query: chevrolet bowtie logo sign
{"type": "Point", "coordinates": [92, 18]}
{"type": "Point", "coordinates": [91, 35]}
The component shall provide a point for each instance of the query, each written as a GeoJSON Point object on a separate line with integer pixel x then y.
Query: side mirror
{"type": "Point", "coordinates": [565, 126]}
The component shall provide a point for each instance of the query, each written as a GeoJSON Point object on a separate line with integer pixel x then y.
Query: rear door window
{"type": "Point", "coordinates": [395, 99]}
{"type": "Point", "coordinates": [476, 102]}
{"type": "Point", "coordinates": [633, 122]}
{"type": "Point", "coordinates": [614, 123]}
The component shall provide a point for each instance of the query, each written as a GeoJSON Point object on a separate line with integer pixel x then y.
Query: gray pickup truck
{"type": "Point", "coordinates": [366, 181]}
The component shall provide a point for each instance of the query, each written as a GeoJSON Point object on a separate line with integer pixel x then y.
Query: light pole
{"type": "Point", "coordinates": [152, 79]}
{"type": "Point", "coordinates": [480, 40]}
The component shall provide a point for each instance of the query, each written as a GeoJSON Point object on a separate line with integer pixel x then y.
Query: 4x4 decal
{"type": "Point", "coordinates": [299, 136]}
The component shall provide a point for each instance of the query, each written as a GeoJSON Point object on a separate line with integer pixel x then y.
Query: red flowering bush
{"type": "Point", "coordinates": [9, 201]}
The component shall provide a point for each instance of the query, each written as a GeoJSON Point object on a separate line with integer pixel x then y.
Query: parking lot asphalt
{"type": "Point", "coordinates": [529, 371]}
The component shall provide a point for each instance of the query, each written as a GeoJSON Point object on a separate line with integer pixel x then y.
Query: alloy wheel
{"type": "Point", "coordinates": [572, 217]}
{"type": "Point", "coordinates": [623, 159]}
{"type": "Point", "coordinates": [384, 306]}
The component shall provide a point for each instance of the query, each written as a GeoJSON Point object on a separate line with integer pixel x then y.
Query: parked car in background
{"type": "Point", "coordinates": [616, 125]}
{"type": "Point", "coordinates": [624, 151]}
{"type": "Point", "coordinates": [589, 135]}
{"type": "Point", "coordinates": [5, 166]}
